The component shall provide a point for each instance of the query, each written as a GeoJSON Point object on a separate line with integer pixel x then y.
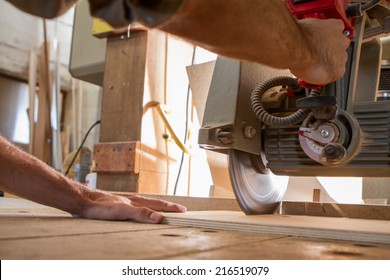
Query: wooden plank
{"type": "Point", "coordinates": [123, 89]}
{"type": "Point", "coordinates": [160, 243]}
{"type": "Point", "coordinates": [24, 235]}
{"type": "Point", "coordinates": [32, 90]}
{"type": "Point", "coordinates": [151, 182]}
{"type": "Point", "coordinates": [117, 157]}
{"type": "Point", "coordinates": [46, 226]}
{"type": "Point", "coordinates": [20, 218]}
{"type": "Point", "coordinates": [148, 70]}
{"type": "Point", "coordinates": [42, 133]}
{"type": "Point", "coordinates": [356, 211]}
{"type": "Point", "coordinates": [154, 165]}
{"type": "Point", "coordinates": [354, 230]}
{"type": "Point", "coordinates": [293, 248]}
{"type": "Point", "coordinates": [118, 182]}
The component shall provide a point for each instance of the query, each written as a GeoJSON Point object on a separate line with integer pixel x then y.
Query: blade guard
{"type": "Point", "coordinates": [323, 9]}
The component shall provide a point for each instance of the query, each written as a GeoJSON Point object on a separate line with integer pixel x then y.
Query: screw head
{"type": "Point", "coordinates": [249, 131]}
{"type": "Point", "coordinates": [325, 133]}
{"type": "Point", "coordinates": [165, 136]}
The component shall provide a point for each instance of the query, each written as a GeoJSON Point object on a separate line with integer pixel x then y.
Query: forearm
{"type": "Point", "coordinates": [30, 178]}
{"type": "Point", "coordinates": [26, 176]}
{"type": "Point", "coordinates": [262, 31]}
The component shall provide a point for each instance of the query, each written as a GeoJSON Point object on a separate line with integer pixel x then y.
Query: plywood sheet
{"type": "Point", "coordinates": [357, 211]}
{"type": "Point", "coordinates": [356, 230]}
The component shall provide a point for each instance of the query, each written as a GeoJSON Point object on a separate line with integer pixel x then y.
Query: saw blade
{"type": "Point", "coordinates": [256, 192]}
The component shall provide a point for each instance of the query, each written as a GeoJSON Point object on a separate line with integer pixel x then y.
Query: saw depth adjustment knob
{"type": "Point", "coordinates": [334, 151]}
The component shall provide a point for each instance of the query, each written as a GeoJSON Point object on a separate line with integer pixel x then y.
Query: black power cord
{"type": "Point", "coordinates": [81, 145]}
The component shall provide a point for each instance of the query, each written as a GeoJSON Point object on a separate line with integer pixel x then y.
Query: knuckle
{"type": "Point", "coordinates": [137, 197]}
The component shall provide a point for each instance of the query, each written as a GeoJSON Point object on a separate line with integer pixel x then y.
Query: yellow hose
{"type": "Point", "coordinates": [161, 109]}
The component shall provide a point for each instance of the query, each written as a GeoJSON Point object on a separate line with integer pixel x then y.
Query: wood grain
{"type": "Point", "coordinates": [357, 211]}
{"type": "Point", "coordinates": [117, 157]}
{"type": "Point", "coordinates": [123, 89]}
{"type": "Point", "coordinates": [354, 230]}
{"type": "Point", "coordinates": [32, 231]}
{"type": "Point", "coordinates": [42, 132]}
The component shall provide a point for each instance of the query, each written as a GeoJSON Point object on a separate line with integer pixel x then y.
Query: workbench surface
{"type": "Point", "coordinates": [32, 231]}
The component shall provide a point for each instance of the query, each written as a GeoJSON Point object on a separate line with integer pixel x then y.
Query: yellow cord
{"type": "Point", "coordinates": [162, 109]}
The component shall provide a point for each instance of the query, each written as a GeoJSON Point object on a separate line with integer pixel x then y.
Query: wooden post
{"type": "Point", "coordinates": [42, 134]}
{"type": "Point", "coordinates": [32, 83]}
{"type": "Point", "coordinates": [123, 90]}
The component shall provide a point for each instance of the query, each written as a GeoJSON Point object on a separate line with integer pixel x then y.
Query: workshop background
{"type": "Point", "coordinates": [76, 105]}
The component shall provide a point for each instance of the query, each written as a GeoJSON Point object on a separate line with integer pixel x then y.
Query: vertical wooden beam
{"type": "Point", "coordinates": [154, 160]}
{"type": "Point", "coordinates": [32, 83]}
{"type": "Point", "coordinates": [42, 134]}
{"type": "Point", "coordinates": [123, 90]}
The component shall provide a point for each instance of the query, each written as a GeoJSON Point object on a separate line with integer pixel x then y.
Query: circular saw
{"type": "Point", "coordinates": [272, 125]}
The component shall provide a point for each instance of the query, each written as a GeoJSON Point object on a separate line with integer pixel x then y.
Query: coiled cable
{"type": "Point", "coordinates": [267, 118]}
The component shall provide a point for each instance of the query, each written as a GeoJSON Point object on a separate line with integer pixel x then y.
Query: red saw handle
{"type": "Point", "coordinates": [323, 9]}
